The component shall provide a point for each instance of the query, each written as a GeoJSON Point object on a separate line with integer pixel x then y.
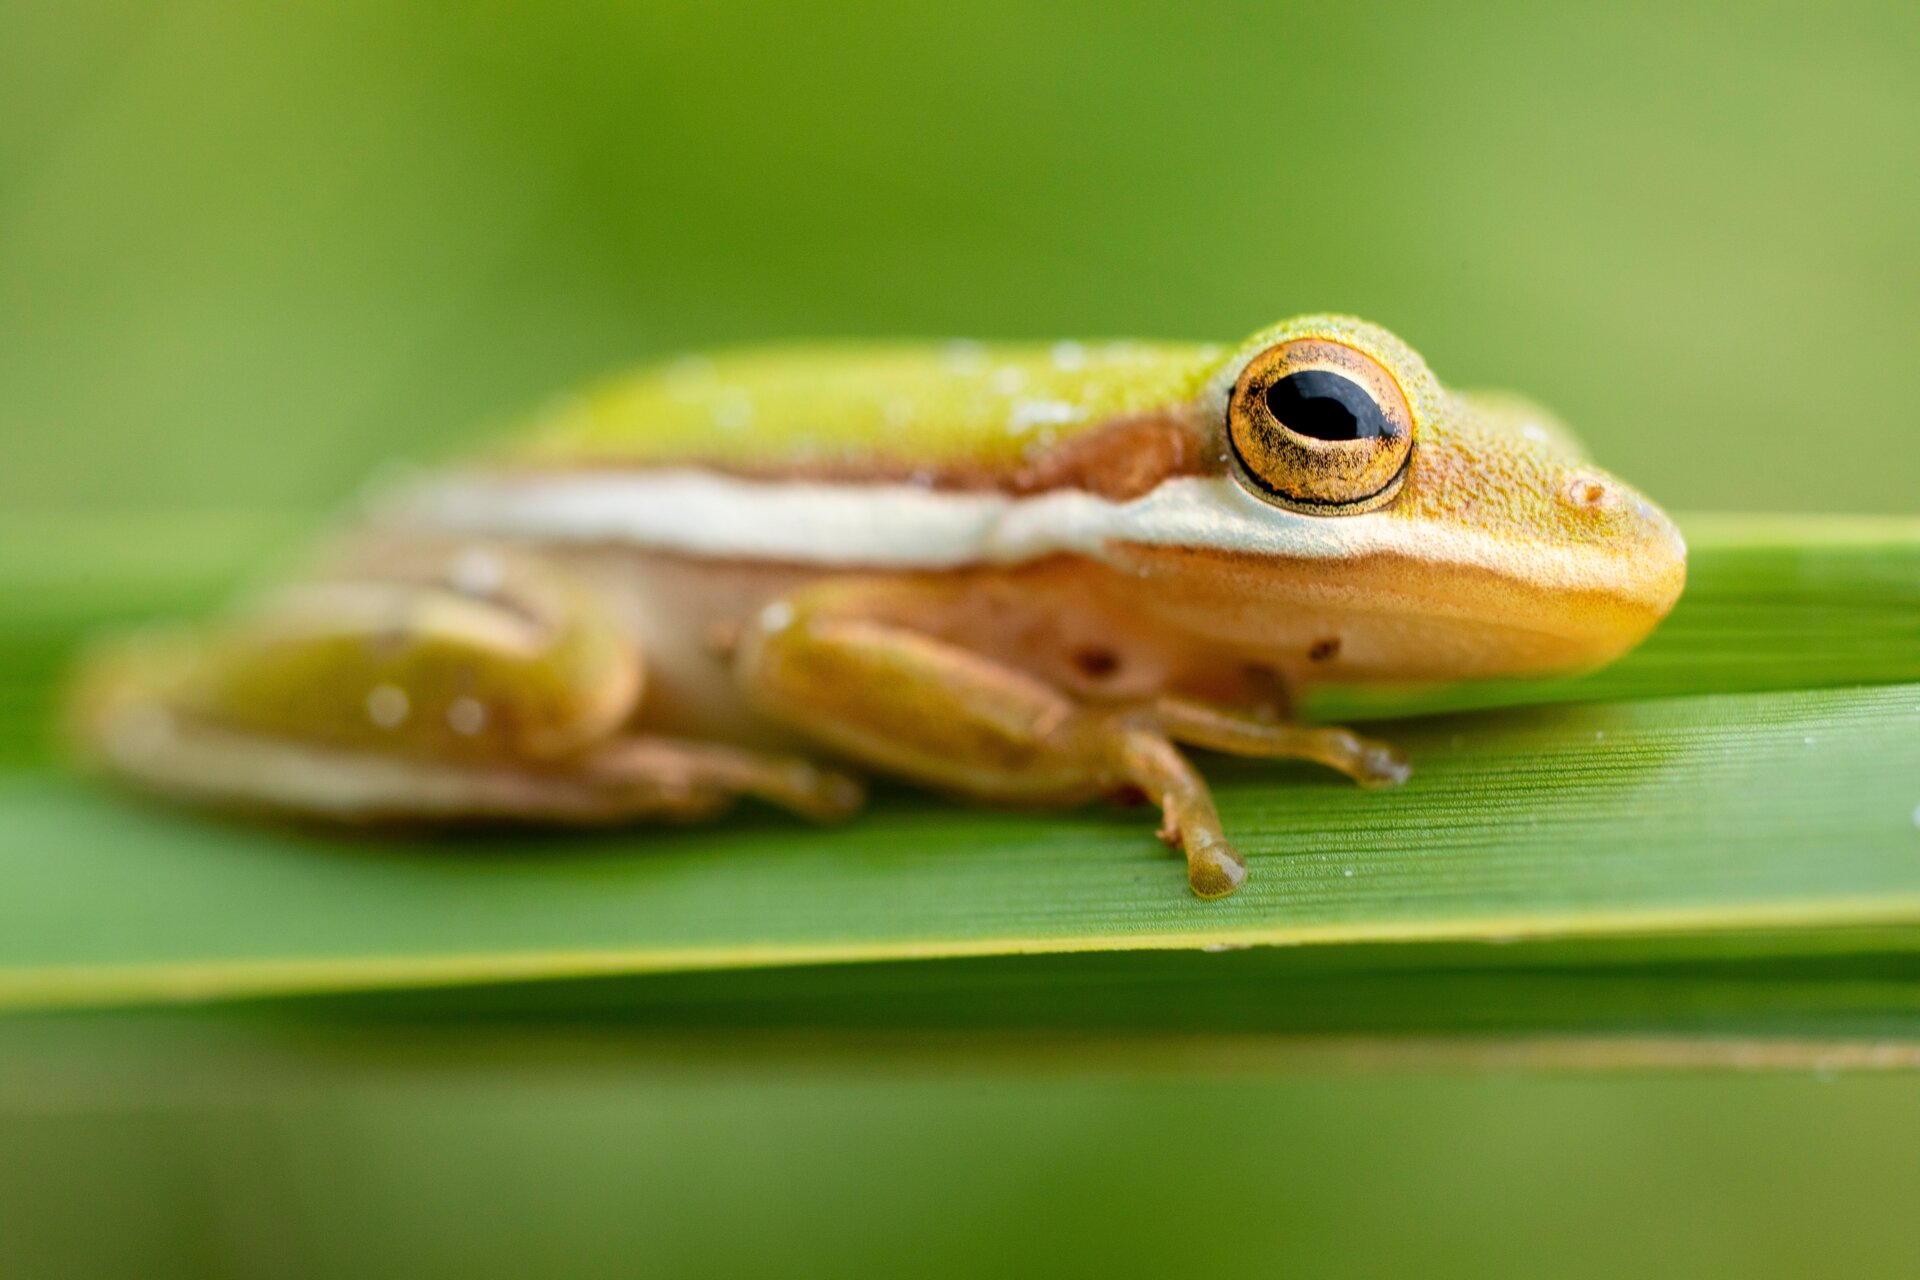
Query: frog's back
{"type": "Point", "coordinates": [889, 411]}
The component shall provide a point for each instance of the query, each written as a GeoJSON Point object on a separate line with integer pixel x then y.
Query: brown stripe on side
{"type": "Point", "coordinates": [1117, 460]}
{"type": "Point", "coordinates": [1121, 460]}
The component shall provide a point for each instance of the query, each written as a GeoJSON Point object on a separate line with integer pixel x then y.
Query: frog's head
{"type": "Point", "coordinates": [1371, 524]}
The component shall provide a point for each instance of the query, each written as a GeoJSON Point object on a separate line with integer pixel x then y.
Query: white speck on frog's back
{"type": "Point", "coordinates": [1030, 414]}
{"type": "Point", "coordinates": [964, 356]}
{"type": "Point", "coordinates": [466, 716]}
{"type": "Point", "coordinates": [690, 377]}
{"type": "Point", "coordinates": [733, 408]}
{"type": "Point", "coordinates": [387, 706]}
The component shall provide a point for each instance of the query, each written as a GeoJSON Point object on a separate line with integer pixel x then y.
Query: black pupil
{"type": "Point", "coordinates": [1326, 406]}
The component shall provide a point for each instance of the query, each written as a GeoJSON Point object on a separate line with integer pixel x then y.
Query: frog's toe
{"type": "Point", "coordinates": [1381, 765]}
{"type": "Point", "coordinates": [826, 795]}
{"type": "Point", "coordinates": [1214, 867]}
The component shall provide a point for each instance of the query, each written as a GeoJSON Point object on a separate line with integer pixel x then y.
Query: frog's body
{"type": "Point", "coordinates": [1018, 574]}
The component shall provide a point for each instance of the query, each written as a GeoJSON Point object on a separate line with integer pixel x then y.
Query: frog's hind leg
{"type": "Point", "coordinates": [478, 686]}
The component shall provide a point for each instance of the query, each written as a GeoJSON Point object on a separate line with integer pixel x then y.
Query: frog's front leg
{"type": "Point", "coordinates": [419, 685]}
{"type": "Point", "coordinates": [844, 663]}
{"type": "Point", "coordinates": [1245, 733]}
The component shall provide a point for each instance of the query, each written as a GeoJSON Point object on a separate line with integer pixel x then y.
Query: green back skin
{"type": "Point", "coordinates": [954, 404]}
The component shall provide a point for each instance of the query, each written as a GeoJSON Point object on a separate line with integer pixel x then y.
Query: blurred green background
{"type": "Point", "coordinates": [248, 252]}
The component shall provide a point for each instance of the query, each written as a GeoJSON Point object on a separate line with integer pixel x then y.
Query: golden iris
{"type": "Point", "coordinates": [1319, 427]}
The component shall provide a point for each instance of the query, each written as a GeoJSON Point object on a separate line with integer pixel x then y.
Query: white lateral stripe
{"type": "Point", "coordinates": [704, 513]}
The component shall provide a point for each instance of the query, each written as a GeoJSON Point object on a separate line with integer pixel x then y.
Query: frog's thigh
{"type": "Point", "coordinates": [468, 654]}
{"type": "Point", "coordinates": [926, 709]}
{"type": "Point", "coordinates": [490, 688]}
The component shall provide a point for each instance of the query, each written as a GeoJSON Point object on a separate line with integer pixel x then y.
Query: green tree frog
{"type": "Point", "coordinates": [1022, 574]}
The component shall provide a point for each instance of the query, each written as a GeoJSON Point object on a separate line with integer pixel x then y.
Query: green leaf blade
{"type": "Point", "coordinates": [1733, 812]}
{"type": "Point", "coordinates": [1759, 791]}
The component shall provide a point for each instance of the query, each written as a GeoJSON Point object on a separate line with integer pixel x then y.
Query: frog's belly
{"type": "Point", "coordinates": [1058, 620]}
{"type": "Point", "coordinates": [684, 614]}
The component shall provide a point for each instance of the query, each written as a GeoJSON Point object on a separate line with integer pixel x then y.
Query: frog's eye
{"type": "Point", "coordinates": [1319, 427]}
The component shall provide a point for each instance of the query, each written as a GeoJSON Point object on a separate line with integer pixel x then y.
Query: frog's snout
{"type": "Point", "coordinates": [1662, 555]}
{"type": "Point", "coordinates": [1644, 546]}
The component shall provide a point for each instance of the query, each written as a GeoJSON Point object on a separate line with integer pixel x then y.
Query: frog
{"type": "Point", "coordinates": [1025, 574]}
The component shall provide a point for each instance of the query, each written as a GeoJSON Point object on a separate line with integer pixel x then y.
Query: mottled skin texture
{"type": "Point", "coordinates": [1019, 574]}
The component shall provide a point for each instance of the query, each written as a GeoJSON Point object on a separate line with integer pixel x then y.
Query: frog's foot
{"type": "Point", "coordinates": [1366, 761]}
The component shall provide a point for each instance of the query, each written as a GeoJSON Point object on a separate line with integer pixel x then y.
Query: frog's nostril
{"type": "Point", "coordinates": [1589, 492]}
